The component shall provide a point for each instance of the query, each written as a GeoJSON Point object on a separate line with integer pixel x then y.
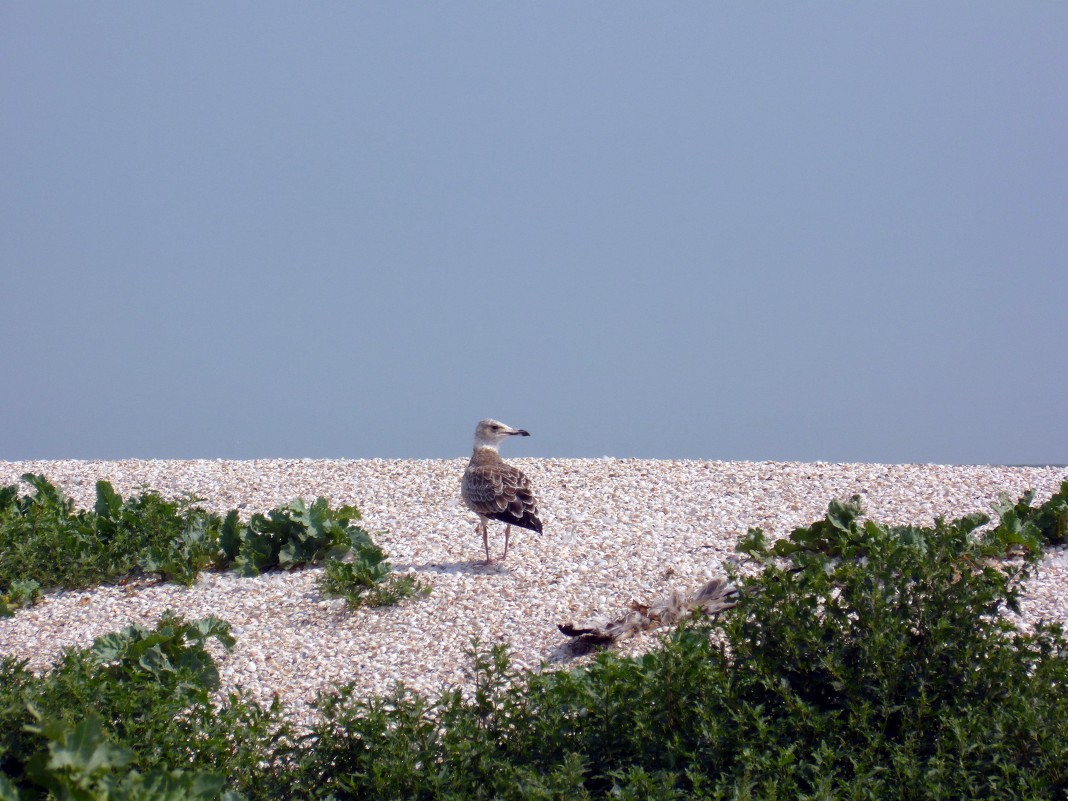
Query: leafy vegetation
{"type": "Point", "coordinates": [368, 578]}
{"type": "Point", "coordinates": [133, 717]}
{"type": "Point", "coordinates": [46, 543]}
{"type": "Point", "coordinates": [293, 535]}
{"type": "Point", "coordinates": [1047, 523]}
{"type": "Point", "coordinates": [82, 763]}
{"type": "Point", "coordinates": [881, 656]}
{"type": "Point", "coordinates": [862, 661]}
{"type": "Point", "coordinates": [45, 540]}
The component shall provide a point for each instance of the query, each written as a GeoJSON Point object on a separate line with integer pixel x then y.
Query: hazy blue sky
{"type": "Point", "coordinates": [778, 230]}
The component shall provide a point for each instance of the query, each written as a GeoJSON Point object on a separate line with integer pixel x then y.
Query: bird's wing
{"type": "Point", "coordinates": [501, 492]}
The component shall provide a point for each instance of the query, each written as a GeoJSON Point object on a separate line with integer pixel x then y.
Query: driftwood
{"type": "Point", "coordinates": [714, 597]}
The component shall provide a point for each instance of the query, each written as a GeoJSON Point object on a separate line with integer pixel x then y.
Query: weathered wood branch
{"type": "Point", "coordinates": [712, 598]}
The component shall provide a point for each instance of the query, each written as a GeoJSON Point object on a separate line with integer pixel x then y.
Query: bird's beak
{"type": "Point", "coordinates": [520, 432]}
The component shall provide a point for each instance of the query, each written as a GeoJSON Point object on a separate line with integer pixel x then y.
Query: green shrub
{"type": "Point", "coordinates": [292, 535]}
{"type": "Point", "coordinates": [44, 539]}
{"type": "Point", "coordinates": [83, 763]}
{"type": "Point", "coordinates": [881, 656]}
{"type": "Point", "coordinates": [138, 700]}
{"type": "Point", "coordinates": [1047, 523]}
{"type": "Point", "coordinates": [21, 592]}
{"type": "Point", "coordinates": [367, 578]}
{"type": "Point", "coordinates": [46, 543]}
{"type": "Point", "coordinates": [863, 661]}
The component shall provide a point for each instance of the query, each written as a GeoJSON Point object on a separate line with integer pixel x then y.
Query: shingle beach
{"type": "Point", "coordinates": [616, 530]}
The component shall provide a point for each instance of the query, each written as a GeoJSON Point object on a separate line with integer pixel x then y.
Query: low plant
{"type": "Point", "coordinates": [83, 763]}
{"type": "Point", "coordinates": [1047, 523]}
{"type": "Point", "coordinates": [133, 716]}
{"type": "Point", "coordinates": [46, 543]}
{"type": "Point", "coordinates": [21, 592]}
{"type": "Point", "coordinates": [44, 539]}
{"type": "Point", "coordinates": [862, 661]}
{"type": "Point", "coordinates": [368, 578]}
{"type": "Point", "coordinates": [881, 657]}
{"type": "Point", "coordinates": [296, 534]}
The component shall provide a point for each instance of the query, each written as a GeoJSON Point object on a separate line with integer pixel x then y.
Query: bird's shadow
{"type": "Point", "coordinates": [470, 566]}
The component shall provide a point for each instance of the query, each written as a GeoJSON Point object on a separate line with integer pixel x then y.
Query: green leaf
{"type": "Point", "coordinates": [8, 791]}
{"type": "Point", "coordinates": [754, 544]}
{"type": "Point", "coordinates": [46, 493]}
{"type": "Point", "coordinates": [108, 502]}
{"type": "Point", "coordinates": [346, 514]}
{"type": "Point", "coordinates": [112, 646]}
{"type": "Point", "coordinates": [231, 535]}
{"type": "Point", "coordinates": [212, 627]}
{"type": "Point", "coordinates": [159, 785]}
{"type": "Point", "coordinates": [86, 750]}
{"type": "Point", "coordinates": [76, 757]}
{"type": "Point", "coordinates": [155, 661]}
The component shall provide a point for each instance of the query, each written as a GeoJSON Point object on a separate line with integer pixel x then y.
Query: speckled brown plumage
{"type": "Point", "coordinates": [493, 489]}
{"type": "Point", "coordinates": [496, 490]}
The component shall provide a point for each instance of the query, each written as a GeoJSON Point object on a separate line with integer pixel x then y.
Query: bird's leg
{"type": "Point", "coordinates": [485, 539]}
{"type": "Point", "coordinates": [507, 531]}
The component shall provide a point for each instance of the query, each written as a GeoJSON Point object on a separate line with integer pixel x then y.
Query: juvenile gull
{"type": "Point", "coordinates": [494, 490]}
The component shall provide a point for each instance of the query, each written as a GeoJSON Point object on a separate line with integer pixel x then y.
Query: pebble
{"type": "Point", "coordinates": [615, 530]}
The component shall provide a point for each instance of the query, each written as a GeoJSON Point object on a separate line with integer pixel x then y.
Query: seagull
{"type": "Point", "coordinates": [494, 490]}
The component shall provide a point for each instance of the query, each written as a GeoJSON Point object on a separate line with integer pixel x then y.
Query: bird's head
{"type": "Point", "coordinates": [489, 433]}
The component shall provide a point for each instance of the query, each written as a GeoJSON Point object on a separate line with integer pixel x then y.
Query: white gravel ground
{"type": "Point", "coordinates": [615, 530]}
